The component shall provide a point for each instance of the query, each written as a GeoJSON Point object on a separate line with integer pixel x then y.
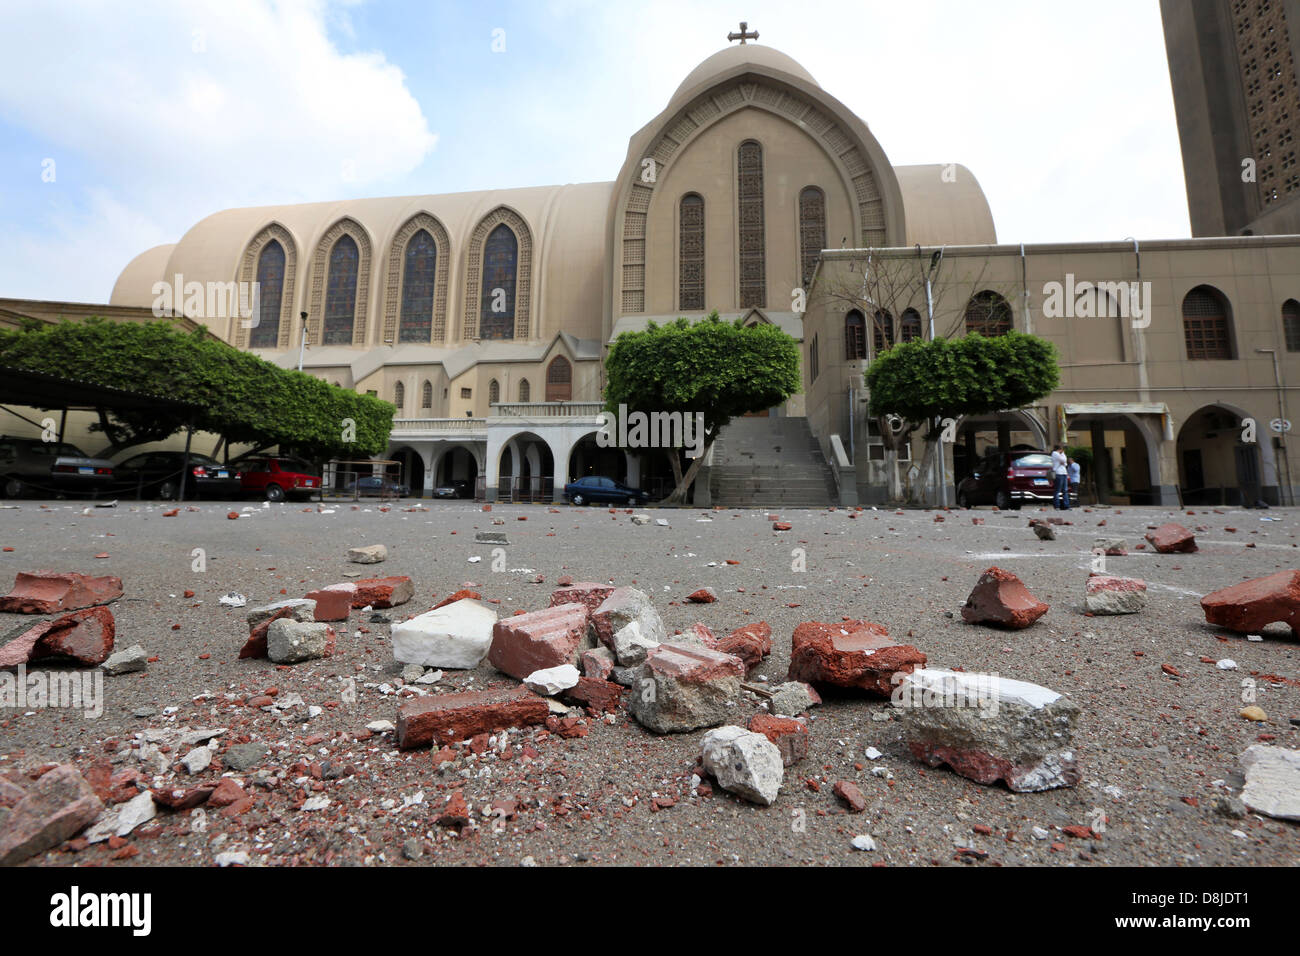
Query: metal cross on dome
{"type": "Point", "coordinates": [743, 35]}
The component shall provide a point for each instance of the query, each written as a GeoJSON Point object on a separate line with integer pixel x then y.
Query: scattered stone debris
{"type": "Point", "coordinates": [1111, 547]}
{"type": "Point", "coordinates": [789, 735]}
{"type": "Point", "coordinates": [368, 554]}
{"type": "Point", "coordinates": [863, 841]}
{"type": "Point", "coordinates": [1111, 595]}
{"type": "Point", "coordinates": [627, 623]}
{"type": "Point", "coordinates": [382, 593]}
{"type": "Point", "coordinates": [744, 763]}
{"type": "Point", "coordinates": [84, 637]}
{"type": "Point", "coordinates": [1000, 598]}
{"type": "Point", "coordinates": [552, 680]}
{"type": "Point", "coordinates": [54, 808]}
{"type": "Point", "coordinates": [134, 658]}
{"type": "Point", "coordinates": [792, 698]}
{"type": "Point", "coordinates": [1252, 605]}
{"type": "Point", "coordinates": [681, 688]}
{"type": "Point", "coordinates": [491, 537]}
{"type": "Point", "coordinates": [1043, 530]}
{"type": "Point", "coordinates": [292, 642]}
{"type": "Point", "coordinates": [1272, 781]}
{"type": "Point", "coordinates": [989, 728]}
{"type": "Point", "coordinates": [750, 643]}
{"type": "Point", "coordinates": [702, 596]}
{"type": "Point", "coordinates": [457, 635]}
{"type": "Point", "coordinates": [848, 791]}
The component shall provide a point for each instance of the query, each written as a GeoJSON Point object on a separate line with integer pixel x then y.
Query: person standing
{"type": "Point", "coordinates": [1075, 473]}
{"type": "Point", "coordinates": [1061, 479]}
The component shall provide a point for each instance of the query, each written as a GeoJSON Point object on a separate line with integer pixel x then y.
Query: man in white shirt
{"type": "Point", "coordinates": [1060, 471]}
{"type": "Point", "coordinates": [1076, 474]}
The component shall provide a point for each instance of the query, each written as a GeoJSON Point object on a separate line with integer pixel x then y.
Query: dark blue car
{"type": "Point", "coordinates": [596, 488]}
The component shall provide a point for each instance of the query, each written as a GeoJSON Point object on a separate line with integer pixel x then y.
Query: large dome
{"type": "Point", "coordinates": [746, 54]}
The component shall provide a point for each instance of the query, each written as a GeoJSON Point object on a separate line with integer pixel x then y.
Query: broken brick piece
{"type": "Point", "coordinates": [600, 696]}
{"type": "Point", "coordinates": [449, 717]}
{"type": "Point", "coordinates": [1250, 606]}
{"type": "Point", "coordinates": [1172, 538]}
{"type": "Point", "coordinates": [540, 640]}
{"type": "Point", "coordinates": [333, 603]}
{"type": "Point", "coordinates": [854, 654]}
{"type": "Point", "coordinates": [587, 593]}
{"type": "Point", "coordinates": [789, 735]}
{"type": "Point", "coordinates": [382, 592]}
{"type": "Point", "coordinates": [1000, 598]}
{"type": "Point", "coordinates": [750, 643]}
{"type": "Point", "coordinates": [49, 592]}
{"type": "Point", "coordinates": [464, 594]}
{"type": "Point", "coordinates": [848, 792]}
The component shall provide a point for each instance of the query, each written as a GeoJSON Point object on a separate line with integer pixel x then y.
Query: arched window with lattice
{"type": "Point", "coordinates": [751, 233]}
{"type": "Point", "coordinates": [1207, 329]}
{"type": "Point", "coordinates": [341, 292]}
{"type": "Point", "coordinates": [399, 397]}
{"type": "Point", "coordinates": [812, 230]}
{"type": "Point", "coordinates": [500, 275]}
{"type": "Point", "coordinates": [690, 253]}
{"type": "Point", "coordinates": [419, 272]}
{"type": "Point", "coordinates": [559, 380]}
{"type": "Point", "coordinates": [855, 336]}
{"type": "Point", "coordinates": [494, 392]}
{"type": "Point", "coordinates": [910, 326]}
{"type": "Point", "coordinates": [426, 395]}
{"type": "Point", "coordinates": [270, 285]}
{"type": "Point", "coordinates": [882, 330]}
{"type": "Point", "coordinates": [525, 393]}
{"type": "Point", "coordinates": [1291, 324]}
{"type": "Point", "coordinates": [988, 314]}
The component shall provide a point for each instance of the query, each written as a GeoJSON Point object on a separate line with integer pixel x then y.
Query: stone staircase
{"type": "Point", "coordinates": [770, 463]}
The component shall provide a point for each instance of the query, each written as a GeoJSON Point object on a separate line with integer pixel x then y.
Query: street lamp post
{"type": "Point", "coordinates": [302, 345]}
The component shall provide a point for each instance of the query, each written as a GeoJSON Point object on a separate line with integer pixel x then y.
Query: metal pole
{"type": "Point", "coordinates": [185, 462]}
{"type": "Point", "coordinates": [302, 342]}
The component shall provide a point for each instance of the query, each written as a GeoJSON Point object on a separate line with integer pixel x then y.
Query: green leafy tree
{"type": "Point", "coordinates": [722, 369]}
{"type": "Point", "coordinates": [237, 395]}
{"type": "Point", "coordinates": [928, 383]}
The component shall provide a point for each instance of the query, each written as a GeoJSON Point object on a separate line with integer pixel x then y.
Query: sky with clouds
{"type": "Point", "coordinates": [121, 125]}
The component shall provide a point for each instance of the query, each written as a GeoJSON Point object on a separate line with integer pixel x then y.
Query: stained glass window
{"type": "Point", "coordinates": [524, 390]}
{"type": "Point", "coordinates": [691, 253]}
{"type": "Point", "coordinates": [988, 314]}
{"type": "Point", "coordinates": [341, 292]}
{"type": "Point", "coordinates": [559, 380]}
{"type": "Point", "coordinates": [416, 323]}
{"type": "Point", "coordinates": [812, 230]}
{"type": "Point", "coordinates": [753, 267]}
{"type": "Point", "coordinates": [500, 271]}
{"type": "Point", "coordinates": [1205, 325]}
{"type": "Point", "coordinates": [270, 281]}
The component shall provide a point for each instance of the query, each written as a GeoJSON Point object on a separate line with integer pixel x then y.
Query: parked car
{"type": "Point", "coordinates": [598, 488]}
{"type": "Point", "coordinates": [157, 474]}
{"type": "Point", "coordinates": [51, 468]}
{"type": "Point", "coordinates": [1008, 479]}
{"type": "Point", "coordinates": [455, 489]}
{"type": "Point", "coordinates": [276, 478]}
{"type": "Point", "coordinates": [380, 485]}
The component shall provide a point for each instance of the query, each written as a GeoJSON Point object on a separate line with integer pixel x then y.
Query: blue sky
{"type": "Point", "coordinates": [156, 114]}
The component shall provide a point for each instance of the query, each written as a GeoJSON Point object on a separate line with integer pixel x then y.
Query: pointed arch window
{"type": "Point", "coordinates": [1206, 330]}
{"type": "Point", "coordinates": [426, 395]}
{"type": "Point", "coordinates": [399, 396]}
{"type": "Point", "coordinates": [270, 282]}
{"type": "Point", "coordinates": [910, 326]}
{"type": "Point", "coordinates": [500, 274]}
{"type": "Point", "coordinates": [812, 230]}
{"type": "Point", "coordinates": [419, 272]}
{"type": "Point", "coordinates": [1291, 324]}
{"type": "Point", "coordinates": [341, 292]}
{"type": "Point", "coordinates": [559, 380]}
{"type": "Point", "coordinates": [855, 336]}
{"type": "Point", "coordinates": [882, 330]}
{"type": "Point", "coordinates": [494, 392]}
{"type": "Point", "coordinates": [753, 256]}
{"type": "Point", "coordinates": [690, 253]}
{"type": "Point", "coordinates": [524, 391]}
{"type": "Point", "coordinates": [988, 314]}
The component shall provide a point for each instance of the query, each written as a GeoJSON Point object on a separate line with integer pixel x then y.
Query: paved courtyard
{"type": "Point", "coordinates": [1158, 752]}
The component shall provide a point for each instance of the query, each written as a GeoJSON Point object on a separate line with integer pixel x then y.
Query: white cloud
{"type": "Point", "coordinates": [189, 108]}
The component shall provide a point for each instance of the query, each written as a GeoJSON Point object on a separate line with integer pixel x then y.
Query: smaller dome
{"type": "Point", "coordinates": [742, 54]}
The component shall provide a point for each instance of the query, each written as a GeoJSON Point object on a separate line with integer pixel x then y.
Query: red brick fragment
{"type": "Point", "coordinates": [49, 592]}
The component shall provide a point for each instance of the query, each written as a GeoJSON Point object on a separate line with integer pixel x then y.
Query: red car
{"type": "Point", "coordinates": [1008, 479]}
{"type": "Point", "coordinates": [277, 478]}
